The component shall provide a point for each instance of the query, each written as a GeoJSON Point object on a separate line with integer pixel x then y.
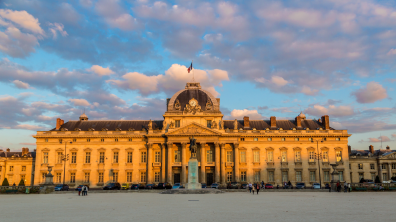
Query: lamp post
{"type": "Point", "coordinates": [318, 156]}
{"type": "Point", "coordinates": [64, 159]}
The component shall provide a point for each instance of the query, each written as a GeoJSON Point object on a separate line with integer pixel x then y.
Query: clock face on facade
{"type": "Point", "coordinates": [193, 102]}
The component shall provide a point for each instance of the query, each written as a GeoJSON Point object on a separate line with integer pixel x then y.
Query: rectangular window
{"type": "Point", "coordinates": [143, 176]}
{"type": "Point", "coordinates": [143, 157]}
{"type": "Point", "coordinates": [157, 157]}
{"type": "Point", "coordinates": [58, 178]}
{"type": "Point", "coordinates": [284, 156]}
{"type": "Point", "coordinates": [208, 123]}
{"type": "Point", "coordinates": [100, 179]}
{"type": "Point", "coordinates": [1, 168]}
{"type": "Point", "coordinates": [361, 176]}
{"type": "Point", "coordinates": [74, 139]}
{"type": "Point", "coordinates": [339, 156]}
{"type": "Point", "coordinates": [326, 176]}
{"type": "Point", "coordinates": [372, 177]}
{"type": "Point", "coordinates": [115, 176]}
{"type": "Point", "coordinates": [129, 177]}
{"type": "Point", "coordinates": [243, 176]}
{"type": "Point", "coordinates": [209, 156]}
{"type": "Point", "coordinates": [242, 139]}
{"type": "Point", "coordinates": [341, 175]}
{"type": "Point", "coordinates": [46, 140]}
{"type": "Point", "coordinates": [256, 156]}
{"type": "Point", "coordinates": [23, 168]}
{"type": "Point", "coordinates": [59, 159]}
{"type": "Point", "coordinates": [102, 140]}
{"type": "Point", "coordinates": [74, 157]}
{"type": "Point", "coordinates": [311, 156]}
{"type": "Point", "coordinates": [101, 157]}
{"type": "Point", "coordinates": [255, 139]}
{"type": "Point", "coordinates": [256, 176]}
{"type": "Point", "coordinates": [285, 176]}
{"type": "Point", "coordinates": [157, 177]}
{"type": "Point", "coordinates": [115, 159]}
{"type": "Point", "coordinates": [270, 156]}
{"type": "Point", "coordinates": [296, 139]}
{"type": "Point", "coordinates": [283, 139]}
{"type": "Point", "coordinates": [72, 177]}
{"type": "Point", "coordinates": [393, 166]}
{"type": "Point", "coordinates": [116, 140]}
{"type": "Point", "coordinates": [383, 166]}
{"type": "Point", "coordinates": [11, 168]}
{"type": "Point", "coordinates": [229, 176]}
{"type": "Point", "coordinates": [384, 177]}
{"type": "Point", "coordinates": [309, 139]}
{"type": "Point", "coordinates": [312, 176]}
{"type": "Point", "coordinates": [271, 176]}
{"type": "Point", "coordinates": [129, 157]}
{"type": "Point", "coordinates": [229, 156]}
{"type": "Point", "coordinates": [243, 157]}
{"type": "Point", "coordinates": [45, 157]}
{"type": "Point", "coordinates": [269, 139]}
{"type": "Point", "coordinates": [88, 157]}
{"type": "Point", "coordinates": [88, 140]}
{"type": "Point", "coordinates": [43, 175]}
{"type": "Point", "coordinates": [130, 139]}
{"type": "Point", "coordinates": [86, 178]}
{"type": "Point", "coordinates": [298, 176]}
{"type": "Point", "coordinates": [337, 139]}
{"type": "Point", "coordinates": [360, 166]}
{"type": "Point", "coordinates": [326, 156]}
{"type": "Point", "coordinates": [60, 140]}
{"type": "Point", "coordinates": [298, 156]}
{"type": "Point", "coordinates": [177, 123]}
{"type": "Point", "coordinates": [177, 156]}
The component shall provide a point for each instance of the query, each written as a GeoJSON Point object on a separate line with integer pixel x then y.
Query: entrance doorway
{"type": "Point", "coordinates": [176, 178]}
{"type": "Point", "coordinates": [209, 179]}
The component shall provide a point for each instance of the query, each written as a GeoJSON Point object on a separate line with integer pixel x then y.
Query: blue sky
{"type": "Point", "coordinates": [122, 59]}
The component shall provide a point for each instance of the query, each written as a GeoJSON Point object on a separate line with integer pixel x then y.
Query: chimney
{"type": "Point", "coordinates": [298, 121]}
{"type": "Point", "coordinates": [325, 122]}
{"type": "Point", "coordinates": [246, 123]}
{"type": "Point", "coordinates": [58, 123]}
{"type": "Point", "coordinates": [273, 122]}
{"type": "Point", "coordinates": [387, 148]}
{"type": "Point", "coordinates": [349, 149]}
{"type": "Point", "coordinates": [25, 151]}
{"type": "Point", "coordinates": [371, 149]}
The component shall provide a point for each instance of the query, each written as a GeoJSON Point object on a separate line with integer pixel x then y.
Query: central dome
{"type": "Point", "coordinates": [193, 91]}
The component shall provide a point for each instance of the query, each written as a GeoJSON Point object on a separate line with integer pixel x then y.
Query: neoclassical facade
{"type": "Point", "coordinates": [135, 151]}
{"type": "Point", "coordinates": [17, 166]}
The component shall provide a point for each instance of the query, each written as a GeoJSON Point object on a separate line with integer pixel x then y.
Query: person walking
{"type": "Point", "coordinates": [262, 184]}
{"type": "Point", "coordinates": [338, 186]}
{"type": "Point", "coordinates": [349, 187]}
{"type": "Point", "coordinates": [345, 187]}
{"type": "Point", "coordinates": [250, 187]}
{"type": "Point", "coordinates": [79, 190]}
{"type": "Point", "coordinates": [253, 187]}
{"type": "Point", "coordinates": [258, 188]}
{"type": "Point", "coordinates": [83, 190]}
{"type": "Point", "coordinates": [86, 190]}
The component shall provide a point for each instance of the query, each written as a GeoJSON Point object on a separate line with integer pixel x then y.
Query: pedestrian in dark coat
{"type": "Point", "coordinates": [258, 188]}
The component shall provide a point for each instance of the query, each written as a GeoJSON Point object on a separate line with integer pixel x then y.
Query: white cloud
{"type": "Point", "coordinates": [239, 114]}
{"type": "Point", "coordinates": [100, 70]}
{"type": "Point", "coordinates": [371, 93]}
{"type": "Point", "coordinates": [332, 110]}
{"type": "Point", "coordinates": [21, 85]}
{"type": "Point", "coordinates": [22, 19]}
{"type": "Point", "coordinates": [57, 27]}
{"type": "Point", "coordinates": [391, 52]}
{"type": "Point", "coordinates": [115, 15]}
{"type": "Point", "coordinates": [79, 102]}
{"type": "Point", "coordinates": [308, 91]}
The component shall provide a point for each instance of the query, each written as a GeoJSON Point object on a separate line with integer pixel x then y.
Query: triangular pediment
{"type": "Point", "coordinates": [193, 129]}
{"type": "Point", "coordinates": [389, 156]}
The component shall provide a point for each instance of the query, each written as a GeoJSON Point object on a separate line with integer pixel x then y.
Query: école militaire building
{"type": "Point", "coordinates": [153, 151]}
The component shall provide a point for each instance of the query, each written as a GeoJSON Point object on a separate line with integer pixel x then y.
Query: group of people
{"type": "Point", "coordinates": [253, 187]}
{"type": "Point", "coordinates": [347, 187]}
{"type": "Point", "coordinates": [84, 190]}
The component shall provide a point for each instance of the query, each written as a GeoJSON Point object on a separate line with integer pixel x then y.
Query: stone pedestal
{"type": "Point", "coordinates": [193, 175]}
{"type": "Point", "coordinates": [48, 186]}
{"type": "Point", "coordinates": [335, 178]}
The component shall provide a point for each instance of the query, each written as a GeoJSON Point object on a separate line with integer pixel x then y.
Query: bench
{"type": "Point", "coordinates": [392, 188]}
{"type": "Point", "coordinates": [11, 191]}
{"type": "Point", "coordinates": [361, 189]}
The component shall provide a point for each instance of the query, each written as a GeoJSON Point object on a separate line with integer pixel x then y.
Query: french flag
{"type": "Point", "coordinates": [189, 68]}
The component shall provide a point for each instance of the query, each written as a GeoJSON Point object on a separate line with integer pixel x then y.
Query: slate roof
{"type": "Point", "coordinates": [197, 94]}
{"type": "Point", "coordinates": [380, 152]}
{"type": "Point", "coordinates": [284, 124]}
{"type": "Point", "coordinates": [16, 154]}
{"type": "Point", "coordinates": [110, 125]}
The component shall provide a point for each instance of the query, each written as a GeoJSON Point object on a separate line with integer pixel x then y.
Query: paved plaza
{"type": "Point", "coordinates": [205, 207]}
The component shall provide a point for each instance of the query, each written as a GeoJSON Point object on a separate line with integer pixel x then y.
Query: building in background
{"type": "Point", "coordinates": [145, 151]}
{"type": "Point", "coordinates": [17, 166]}
{"type": "Point", "coordinates": [367, 164]}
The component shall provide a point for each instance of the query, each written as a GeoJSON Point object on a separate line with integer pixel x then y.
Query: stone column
{"type": "Point", "coordinates": [217, 165]}
{"type": "Point", "coordinates": [389, 171]}
{"type": "Point", "coordinates": [149, 163]}
{"type": "Point", "coordinates": [169, 166]}
{"type": "Point", "coordinates": [379, 171]}
{"type": "Point", "coordinates": [163, 163]}
{"type": "Point", "coordinates": [183, 163]}
{"type": "Point", "coordinates": [203, 163]}
{"type": "Point", "coordinates": [236, 162]}
{"type": "Point", "coordinates": [222, 162]}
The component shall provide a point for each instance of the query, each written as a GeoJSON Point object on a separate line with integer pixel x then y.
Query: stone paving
{"type": "Point", "coordinates": [241, 206]}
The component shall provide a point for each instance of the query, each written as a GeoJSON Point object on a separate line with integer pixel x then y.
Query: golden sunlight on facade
{"type": "Point", "coordinates": [135, 151]}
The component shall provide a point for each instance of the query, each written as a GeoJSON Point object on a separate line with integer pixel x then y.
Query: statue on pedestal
{"type": "Point", "coordinates": [193, 148]}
